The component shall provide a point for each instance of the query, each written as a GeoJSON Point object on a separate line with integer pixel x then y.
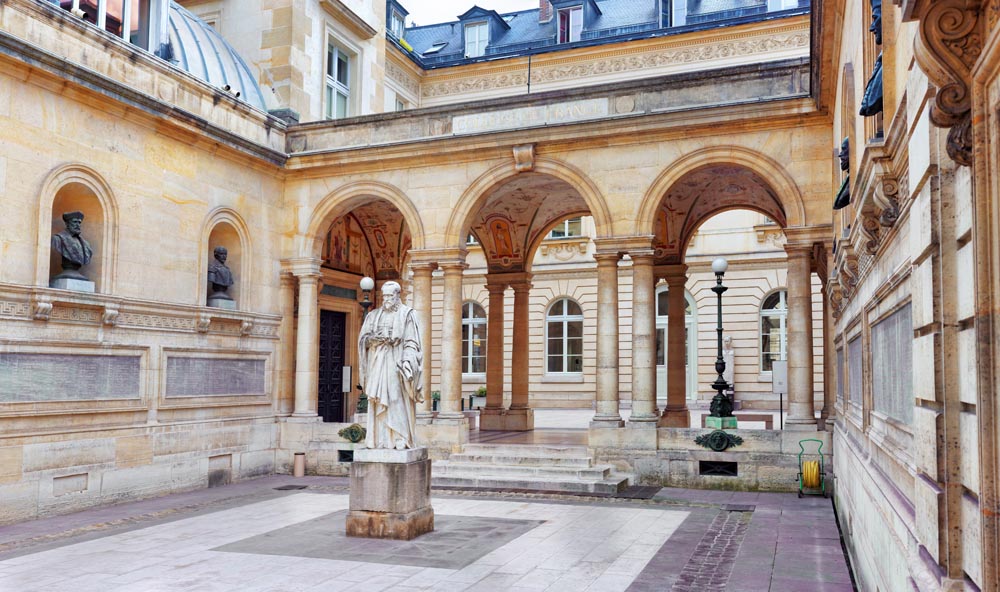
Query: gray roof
{"type": "Point", "coordinates": [198, 48]}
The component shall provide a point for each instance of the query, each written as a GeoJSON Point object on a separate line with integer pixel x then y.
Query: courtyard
{"type": "Point", "coordinates": [280, 533]}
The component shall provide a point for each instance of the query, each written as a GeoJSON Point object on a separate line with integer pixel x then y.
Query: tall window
{"type": "Point", "coordinates": [476, 37]}
{"type": "Point", "coordinates": [568, 228]}
{"type": "Point", "coordinates": [773, 336]}
{"type": "Point", "coordinates": [564, 337]}
{"type": "Point", "coordinates": [840, 373]}
{"type": "Point", "coordinates": [396, 24]}
{"type": "Point", "coordinates": [338, 82]}
{"type": "Point", "coordinates": [892, 365]}
{"type": "Point", "coordinates": [570, 24]}
{"type": "Point", "coordinates": [473, 338]}
{"type": "Point", "coordinates": [128, 19]}
{"type": "Point", "coordinates": [855, 375]}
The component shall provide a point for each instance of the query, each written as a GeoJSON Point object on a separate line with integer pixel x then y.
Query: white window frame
{"type": "Point", "coordinates": [565, 225]}
{"type": "Point", "coordinates": [691, 326]}
{"type": "Point", "coordinates": [565, 319]}
{"type": "Point", "coordinates": [478, 49]}
{"type": "Point", "coordinates": [469, 307]}
{"type": "Point", "coordinates": [575, 18]}
{"type": "Point", "coordinates": [782, 314]}
{"type": "Point", "coordinates": [397, 24]}
{"type": "Point", "coordinates": [333, 87]}
{"type": "Point", "coordinates": [678, 13]}
{"type": "Point", "coordinates": [156, 9]}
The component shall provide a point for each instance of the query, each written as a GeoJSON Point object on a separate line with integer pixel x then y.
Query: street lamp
{"type": "Point", "coordinates": [722, 407]}
{"type": "Point", "coordinates": [367, 285]}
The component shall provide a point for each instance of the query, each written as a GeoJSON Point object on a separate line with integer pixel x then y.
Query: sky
{"type": "Point", "coordinates": [429, 12]}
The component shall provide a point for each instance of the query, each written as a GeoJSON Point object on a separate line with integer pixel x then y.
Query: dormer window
{"type": "Point", "coordinates": [570, 24]}
{"type": "Point", "coordinates": [128, 19]}
{"type": "Point", "coordinates": [436, 48]}
{"type": "Point", "coordinates": [396, 24]}
{"type": "Point", "coordinates": [476, 37]}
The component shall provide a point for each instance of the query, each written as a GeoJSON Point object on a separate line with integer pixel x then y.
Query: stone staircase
{"type": "Point", "coordinates": [567, 469]}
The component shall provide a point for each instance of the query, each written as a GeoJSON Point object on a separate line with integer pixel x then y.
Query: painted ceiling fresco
{"type": "Point", "coordinates": [518, 213]}
{"type": "Point", "coordinates": [371, 240]}
{"type": "Point", "coordinates": [704, 193]}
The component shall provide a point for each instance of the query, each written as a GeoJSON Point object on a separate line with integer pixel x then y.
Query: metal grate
{"type": "Point", "coordinates": [718, 468]}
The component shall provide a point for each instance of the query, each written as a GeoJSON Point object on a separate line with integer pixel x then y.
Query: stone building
{"type": "Point", "coordinates": [319, 141]}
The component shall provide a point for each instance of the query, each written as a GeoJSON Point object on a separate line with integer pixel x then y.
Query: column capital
{"type": "Point", "coordinates": [510, 279]}
{"type": "Point", "coordinates": [607, 258]}
{"type": "Point", "coordinates": [495, 288]}
{"type": "Point", "coordinates": [425, 267]}
{"type": "Point", "coordinates": [675, 273]}
{"type": "Point", "coordinates": [450, 267]}
{"type": "Point", "coordinates": [642, 256]}
{"type": "Point", "coordinates": [303, 266]}
{"type": "Point", "coordinates": [437, 255]}
{"type": "Point", "coordinates": [287, 279]}
{"type": "Point", "coordinates": [624, 244]}
{"type": "Point", "coordinates": [521, 287]}
{"type": "Point", "coordinates": [799, 249]}
{"type": "Point", "coordinates": [819, 233]}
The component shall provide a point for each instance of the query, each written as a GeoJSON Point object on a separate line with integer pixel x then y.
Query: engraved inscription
{"type": "Point", "coordinates": [531, 116]}
{"type": "Point", "coordinates": [197, 377]}
{"type": "Point", "coordinates": [67, 377]}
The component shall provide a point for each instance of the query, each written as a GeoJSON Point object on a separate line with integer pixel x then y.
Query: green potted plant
{"type": "Point", "coordinates": [435, 399]}
{"type": "Point", "coordinates": [478, 399]}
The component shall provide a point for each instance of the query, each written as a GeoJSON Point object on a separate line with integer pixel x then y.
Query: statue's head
{"type": "Point", "coordinates": [391, 295]}
{"type": "Point", "coordinates": [74, 222]}
{"type": "Point", "coordinates": [845, 154]}
{"type": "Point", "coordinates": [221, 253]}
{"type": "Point", "coordinates": [876, 26]}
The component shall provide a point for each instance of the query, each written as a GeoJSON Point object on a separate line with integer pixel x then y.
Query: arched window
{"type": "Point", "coordinates": [473, 338]}
{"type": "Point", "coordinates": [773, 336]}
{"type": "Point", "coordinates": [564, 337]}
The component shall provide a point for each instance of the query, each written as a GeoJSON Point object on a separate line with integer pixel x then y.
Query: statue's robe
{"type": "Point", "coordinates": [871, 102]}
{"type": "Point", "coordinates": [389, 338]}
{"type": "Point", "coordinates": [75, 251]}
{"type": "Point", "coordinates": [221, 277]}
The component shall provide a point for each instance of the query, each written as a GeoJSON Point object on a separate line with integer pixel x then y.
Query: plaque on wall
{"type": "Point", "coordinates": [199, 377]}
{"type": "Point", "coordinates": [29, 377]}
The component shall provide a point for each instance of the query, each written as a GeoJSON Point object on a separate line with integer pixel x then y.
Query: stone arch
{"type": "Point", "coordinates": [92, 187]}
{"type": "Point", "coordinates": [538, 240]}
{"type": "Point", "coordinates": [475, 196]}
{"type": "Point", "coordinates": [240, 260]}
{"type": "Point", "coordinates": [346, 198]}
{"type": "Point", "coordinates": [782, 183]}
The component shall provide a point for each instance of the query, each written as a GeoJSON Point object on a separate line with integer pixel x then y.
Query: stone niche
{"type": "Point", "coordinates": [74, 197]}
{"type": "Point", "coordinates": [224, 234]}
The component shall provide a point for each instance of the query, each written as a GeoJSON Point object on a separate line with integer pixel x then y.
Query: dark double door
{"type": "Point", "coordinates": [332, 338]}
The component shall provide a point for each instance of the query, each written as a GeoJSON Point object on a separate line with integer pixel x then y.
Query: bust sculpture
{"type": "Point", "coordinates": [73, 248]}
{"type": "Point", "coordinates": [871, 103]}
{"type": "Point", "coordinates": [220, 276]}
{"type": "Point", "coordinates": [844, 194]}
{"type": "Point", "coordinates": [390, 367]}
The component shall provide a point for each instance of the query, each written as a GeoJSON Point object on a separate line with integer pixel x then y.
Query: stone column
{"type": "Point", "coordinates": [607, 415]}
{"type": "Point", "coordinates": [286, 299]}
{"type": "Point", "coordinates": [451, 342]}
{"type": "Point", "coordinates": [307, 344]}
{"type": "Point", "coordinates": [828, 413]}
{"type": "Point", "coordinates": [422, 273]}
{"type": "Point", "coordinates": [492, 416]}
{"type": "Point", "coordinates": [520, 416]}
{"type": "Point", "coordinates": [676, 413]}
{"type": "Point", "coordinates": [644, 410]}
{"type": "Point", "coordinates": [801, 413]}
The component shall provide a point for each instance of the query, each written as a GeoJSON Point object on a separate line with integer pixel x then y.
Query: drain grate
{"type": "Point", "coordinates": [290, 487]}
{"type": "Point", "coordinates": [738, 508]}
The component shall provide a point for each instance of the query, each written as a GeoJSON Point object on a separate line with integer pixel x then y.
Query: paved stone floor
{"type": "Point", "coordinates": [252, 537]}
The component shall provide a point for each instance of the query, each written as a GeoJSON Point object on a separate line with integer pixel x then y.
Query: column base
{"type": "Point", "coordinates": [304, 418]}
{"type": "Point", "coordinates": [801, 425]}
{"type": "Point", "coordinates": [675, 418]}
{"type": "Point", "coordinates": [643, 421]}
{"type": "Point", "coordinates": [607, 421]}
{"type": "Point", "coordinates": [425, 417]}
{"type": "Point", "coordinates": [444, 434]}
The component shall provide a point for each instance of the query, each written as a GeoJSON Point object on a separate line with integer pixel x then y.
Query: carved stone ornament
{"type": "Point", "coordinates": [950, 41]}
{"type": "Point", "coordinates": [718, 440]}
{"type": "Point", "coordinates": [41, 309]}
{"type": "Point", "coordinates": [204, 322]}
{"type": "Point", "coordinates": [246, 327]}
{"type": "Point", "coordinates": [524, 158]}
{"type": "Point", "coordinates": [110, 316]}
{"type": "Point", "coordinates": [870, 231]}
{"type": "Point", "coordinates": [836, 295]}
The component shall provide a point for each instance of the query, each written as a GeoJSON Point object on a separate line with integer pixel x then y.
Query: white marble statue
{"type": "Point", "coordinates": [729, 357]}
{"type": "Point", "coordinates": [390, 366]}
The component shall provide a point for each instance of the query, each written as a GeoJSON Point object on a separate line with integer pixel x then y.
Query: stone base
{"type": "Point", "coordinates": [383, 525]}
{"type": "Point", "coordinates": [390, 494]}
{"type": "Point", "coordinates": [507, 420]}
{"type": "Point", "coordinates": [225, 303]}
{"type": "Point", "coordinates": [64, 283]}
{"type": "Point", "coordinates": [679, 418]}
{"type": "Point", "coordinates": [720, 423]}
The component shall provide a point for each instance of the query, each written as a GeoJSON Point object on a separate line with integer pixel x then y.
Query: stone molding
{"type": "Point", "coordinates": [23, 303]}
{"type": "Point", "coordinates": [401, 77]}
{"type": "Point", "coordinates": [524, 158]}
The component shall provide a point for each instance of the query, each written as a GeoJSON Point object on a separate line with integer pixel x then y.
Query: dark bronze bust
{"type": "Point", "coordinates": [845, 155]}
{"type": "Point", "coordinates": [220, 276]}
{"type": "Point", "coordinates": [74, 249]}
{"type": "Point", "coordinates": [871, 103]}
{"type": "Point", "coordinates": [844, 194]}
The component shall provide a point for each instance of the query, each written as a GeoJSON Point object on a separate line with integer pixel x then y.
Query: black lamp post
{"type": "Point", "coordinates": [367, 285]}
{"type": "Point", "coordinates": [721, 405]}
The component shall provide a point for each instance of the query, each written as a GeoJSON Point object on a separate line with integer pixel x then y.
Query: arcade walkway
{"type": "Point", "coordinates": [278, 534]}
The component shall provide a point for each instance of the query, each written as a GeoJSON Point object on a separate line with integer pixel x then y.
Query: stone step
{"type": "Point", "coordinates": [528, 450]}
{"type": "Point", "coordinates": [521, 460]}
{"type": "Point", "coordinates": [447, 468]}
{"type": "Point", "coordinates": [609, 486]}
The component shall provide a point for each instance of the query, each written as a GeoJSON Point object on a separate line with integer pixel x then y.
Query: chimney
{"type": "Point", "coordinates": [544, 11]}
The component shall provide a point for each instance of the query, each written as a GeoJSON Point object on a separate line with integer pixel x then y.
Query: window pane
{"type": "Point", "coordinates": [661, 337]}
{"type": "Point", "coordinates": [559, 231]}
{"type": "Point", "coordinates": [574, 364]}
{"type": "Point", "coordinates": [343, 69]}
{"type": "Point", "coordinates": [555, 347]}
{"type": "Point", "coordinates": [478, 312]}
{"type": "Point", "coordinates": [774, 301]}
{"type": "Point", "coordinates": [574, 330]}
{"type": "Point", "coordinates": [465, 364]}
{"type": "Point", "coordinates": [558, 309]}
{"type": "Point", "coordinates": [574, 346]}
{"type": "Point", "coordinates": [563, 26]}
{"type": "Point", "coordinates": [662, 304]}
{"type": "Point", "coordinates": [555, 329]}
{"type": "Point", "coordinates": [555, 364]}
{"type": "Point", "coordinates": [574, 227]}
{"type": "Point", "coordinates": [341, 105]}
{"type": "Point", "coordinates": [329, 102]}
{"type": "Point", "coordinates": [575, 24]}
{"type": "Point", "coordinates": [573, 309]}
{"type": "Point", "coordinates": [331, 60]}
{"type": "Point", "coordinates": [479, 364]}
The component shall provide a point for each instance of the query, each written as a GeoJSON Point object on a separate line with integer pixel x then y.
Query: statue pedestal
{"type": "Point", "coordinates": [226, 303]}
{"type": "Point", "coordinates": [720, 423]}
{"type": "Point", "coordinates": [65, 283]}
{"type": "Point", "coordinates": [390, 494]}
